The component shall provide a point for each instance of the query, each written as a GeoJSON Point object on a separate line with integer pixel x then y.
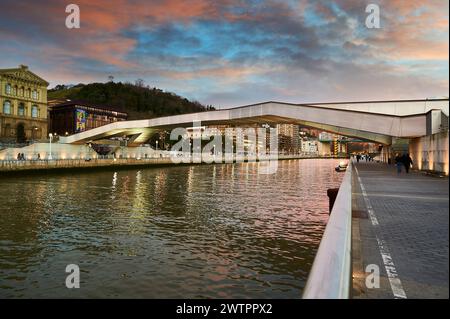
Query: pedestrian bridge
{"type": "Point", "coordinates": [376, 121]}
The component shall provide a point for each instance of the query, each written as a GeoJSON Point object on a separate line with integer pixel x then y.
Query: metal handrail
{"type": "Point", "coordinates": [330, 275]}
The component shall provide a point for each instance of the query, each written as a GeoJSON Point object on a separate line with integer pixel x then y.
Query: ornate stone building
{"type": "Point", "coordinates": [23, 105]}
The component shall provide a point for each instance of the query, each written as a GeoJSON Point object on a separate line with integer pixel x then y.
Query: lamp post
{"type": "Point", "coordinates": [156, 145]}
{"type": "Point", "coordinates": [89, 150]}
{"type": "Point", "coordinates": [50, 146]}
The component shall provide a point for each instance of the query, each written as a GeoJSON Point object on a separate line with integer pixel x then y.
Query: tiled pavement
{"type": "Point", "coordinates": [404, 217]}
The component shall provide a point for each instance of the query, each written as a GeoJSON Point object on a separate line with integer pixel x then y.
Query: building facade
{"type": "Point", "coordinates": [23, 106]}
{"type": "Point", "coordinates": [73, 117]}
{"type": "Point", "coordinates": [288, 138]}
{"type": "Point", "coordinates": [309, 147]}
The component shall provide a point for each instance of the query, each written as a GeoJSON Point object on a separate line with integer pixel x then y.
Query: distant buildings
{"type": "Point", "coordinates": [288, 138]}
{"type": "Point", "coordinates": [336, 144]}
{"type": "Point", "coordinates": [23, 105]}
{"type": "Point", "coordinates": [72, 117]}
{"type": "Point", "coordinates": [309, 147]}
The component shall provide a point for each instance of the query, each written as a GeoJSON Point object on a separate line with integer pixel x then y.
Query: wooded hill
{"type": "Point", "coordinates": [139, 101]}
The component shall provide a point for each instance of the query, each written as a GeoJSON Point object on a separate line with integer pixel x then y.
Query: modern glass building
{"type": "Point", "coordinates": [72, 117]}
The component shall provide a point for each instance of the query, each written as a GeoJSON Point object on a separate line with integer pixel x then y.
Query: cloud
{"type": "Point", "coordinates": [223, 52]}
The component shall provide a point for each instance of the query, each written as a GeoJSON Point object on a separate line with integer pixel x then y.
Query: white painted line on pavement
{"type": "Point", "coordinates": [370, 211]}
{"type": "Point", "coordinates": [391, 271]}
{"type": "Point", "coordinates": [394, 280]}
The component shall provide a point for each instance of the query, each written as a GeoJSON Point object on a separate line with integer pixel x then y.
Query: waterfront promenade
{"type": "Point", "coordinates": [401, 224]}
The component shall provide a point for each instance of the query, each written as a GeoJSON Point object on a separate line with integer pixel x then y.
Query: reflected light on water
{"type": "Point", "coordinates": [175, 232]}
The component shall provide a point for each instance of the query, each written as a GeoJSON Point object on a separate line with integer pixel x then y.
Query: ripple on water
{"type": "Point", "coordinates": [188, 232]}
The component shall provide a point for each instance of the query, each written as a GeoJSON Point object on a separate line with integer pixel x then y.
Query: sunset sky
{"type": "Point", "coordinates": [230, 53]}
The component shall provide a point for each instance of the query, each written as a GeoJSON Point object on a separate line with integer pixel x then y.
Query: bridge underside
{"type": "Point", "coordinates": [141, 135]}
{"type": "Point", "coordinates": [369, 126]}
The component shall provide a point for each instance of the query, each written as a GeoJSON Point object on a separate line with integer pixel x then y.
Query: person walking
{"type": "Point", "coordinates": [407, 162]}
{"type": "Point", "coordinates": [398, 163]}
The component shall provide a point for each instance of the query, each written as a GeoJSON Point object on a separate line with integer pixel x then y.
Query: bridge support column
{"type": "Point", "coordinates": [385, 154]}
{"type": "Point", "coordinates": [324, 148]}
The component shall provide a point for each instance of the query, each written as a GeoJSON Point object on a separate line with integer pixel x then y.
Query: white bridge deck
{"type": "Point", "coordinates": [375, 121]}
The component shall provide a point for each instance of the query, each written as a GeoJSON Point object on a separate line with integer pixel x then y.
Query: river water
{"type": "Point", "coordinates": [209, 231]}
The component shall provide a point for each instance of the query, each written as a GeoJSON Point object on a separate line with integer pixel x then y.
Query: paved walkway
{"type": "Point", "coordinates": [400, 224]}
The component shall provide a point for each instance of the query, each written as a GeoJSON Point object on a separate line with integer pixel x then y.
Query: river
{"type": "Point", "coordinates": [205, 231]}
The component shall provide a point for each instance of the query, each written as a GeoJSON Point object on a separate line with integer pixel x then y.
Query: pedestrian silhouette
{"type": "Point", "coordinates": [398, 163]}
{"type": "Point", "coordinates": [407, 162]}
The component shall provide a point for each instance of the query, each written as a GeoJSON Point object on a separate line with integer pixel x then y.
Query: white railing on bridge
{"type": "Point", "coordinates": [330, 276]}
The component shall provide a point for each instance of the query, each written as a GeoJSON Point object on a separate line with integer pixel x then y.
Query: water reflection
{"type": "Point", "coordinates": [184, 231]}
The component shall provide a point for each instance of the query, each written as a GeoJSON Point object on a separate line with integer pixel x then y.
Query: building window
{"type": "Point", "coordinates": [28, 93]}
{"type": "Point", "coordinates": [21, 91]}
{"type": "Point", "coordinates": [35, 95]}
{"type": "Point", "coordinates": [34, 111]}
{"type": "Point", "coordinates": [21, 110]}
{"type": "Point", "coordinates": [8, 88]}
{"type": "Point", "coordinates": [7, 107]}
{"type": "Point", "coordinates": [15, 90]}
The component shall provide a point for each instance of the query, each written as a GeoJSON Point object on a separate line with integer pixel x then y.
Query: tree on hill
{"type": "Point", "coordinates": [138, 100]}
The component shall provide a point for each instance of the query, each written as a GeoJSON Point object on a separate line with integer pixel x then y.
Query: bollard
{"type": "Point", "coordinates": [332, 194]}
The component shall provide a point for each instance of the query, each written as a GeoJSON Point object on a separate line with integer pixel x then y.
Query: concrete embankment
{"type": "Point", "coordinates": [20, 167]}
{"type": "Point", "coordinates": [24, 167]}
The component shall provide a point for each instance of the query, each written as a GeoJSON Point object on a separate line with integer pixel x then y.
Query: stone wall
{"type": "Point", "coordinates": [72, 151]}
{"type": "Point", "coordinates": [11, 166]}
{"type": "Point", "coordinates": [34, 128]}
{"type": "Point", "coordinates": [430, 153]}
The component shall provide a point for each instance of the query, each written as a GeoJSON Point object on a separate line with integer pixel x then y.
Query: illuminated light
{"type": "Point", "coordinates": [431, 161]}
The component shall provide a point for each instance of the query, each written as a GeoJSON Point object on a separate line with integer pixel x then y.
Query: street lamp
{"type": "Point", "coordinates": [50, 146]}
{"type": "Point", "coordinates": [89, 150]}
{"type": "Point", "coordinates": [156, 145]}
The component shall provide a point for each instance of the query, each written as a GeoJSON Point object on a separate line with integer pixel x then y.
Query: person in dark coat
{"type": "Point", "coordinates": [407, 162]}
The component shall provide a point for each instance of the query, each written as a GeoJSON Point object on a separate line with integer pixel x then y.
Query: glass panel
{"type": "Point", "coordinates": [34, 111]}
{"type": "Point", "coordinates": [21, 109]}
{"type": "Point", "coordinates": [7, 107]}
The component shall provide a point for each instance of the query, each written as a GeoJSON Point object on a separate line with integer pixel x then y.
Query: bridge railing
{"type": "Point", "coordinates": [330, 276]}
